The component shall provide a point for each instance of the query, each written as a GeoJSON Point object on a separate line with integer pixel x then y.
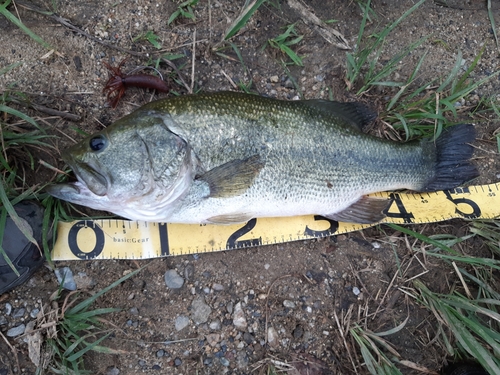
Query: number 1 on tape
{"type": "Point", "coordinates": [123, 239]}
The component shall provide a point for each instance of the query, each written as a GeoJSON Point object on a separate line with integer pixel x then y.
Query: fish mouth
{"type": "Point", "coordinates": [89, 181]}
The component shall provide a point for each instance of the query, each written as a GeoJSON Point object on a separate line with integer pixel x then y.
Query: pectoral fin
{"type": "Point", "coordinates": [232, 178]}
{"type": "Point", "coordinates": [366, 210]}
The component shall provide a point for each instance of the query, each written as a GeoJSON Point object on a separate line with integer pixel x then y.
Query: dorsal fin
{"type": "Point", "coordinates": [353, 113]}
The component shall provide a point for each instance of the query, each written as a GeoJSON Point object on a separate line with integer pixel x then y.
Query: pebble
{"type": "Point", "coordinates": [141, 362]}
{"type": "Point", "coordinates": [112, 371]}
{"type": "Point", "coordinates": [134, 311]}
{"type": "Point", "coordinates": [65, 278]}
{"type": "Point", "coordinates": [160, 353]}
{"type": "Point", "coordinates": [289, 304]}
{"type": "Point", "coordinates": [266, 266]}
{"type": "Point", "coordinates": [208, 361]}
{"type": "Point", "coordinates": [181, 322]}
{"type": "Point", "coordinates": [229, 307]}
{"type": "Point", "coordinates": [212, 339]}
{"type": "Point", "coordinates": [248, 338]}
{"type": "Point", "coordinates": [356, 290]}
{"type": "Point", "coordinates": [177, 362]}
{"type": "Point", "coordinates": [217, 287]}
{"type": "Point", "coordinates": [173, 280]}
{"type": "Point", "coordinates": [18, 313]}
{"type": "Point", "coordinates": [83, 281]}
{"type": "Point", "coordinates": [239, 319]}
{"type": "Point", "coordinates": [215, 325]}
{"type": "Point", "coordinates": [3, 320]}
{"type": "Point", "coordinates": [200, 311]}
{"type": "Point", "coordinates": [274, 79]}
{"type": "Point", "coordinates": [8, 309]}
{"type": "Point", "coordinates": [298, 332]}
{"type": "Point", "coordinates": [224, 362]}
{"type": "Point", "coordinates": [189, 271]}
{"type": "Point", "coordinates": [272, 337]}
{"type": "Point", "coordinates": [16, 331]}
{"type": "Point", "coordinates": [34, 313]}
{"type": "Point", "coordinates": [242, 359]}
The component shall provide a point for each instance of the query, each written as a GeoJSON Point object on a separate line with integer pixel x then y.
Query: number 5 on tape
{"type": "Point", "coordinates": [122, 239]}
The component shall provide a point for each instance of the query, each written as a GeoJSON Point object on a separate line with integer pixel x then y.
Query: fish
{"type": "Point", "coordinates": [227, 157]}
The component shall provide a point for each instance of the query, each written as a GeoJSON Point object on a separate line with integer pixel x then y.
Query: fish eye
{"type": "Point", "coordinates": [98, 143]}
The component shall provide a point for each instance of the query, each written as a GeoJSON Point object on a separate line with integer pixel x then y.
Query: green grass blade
{"type": "Point", "coordinates": [242, 19]}
{"type": "Point", "coordinates": [14, 112]}
{"type": "Point", "coordinates": [85, 304]}
{"type": "Point", "coordinates": [10, 67]}
{"type": "Point", "coordinates": [18, 23]}
{"type": "Point", "coordinates": [88, 347]}
{"type": "Point", "coordinates": [21, 224]}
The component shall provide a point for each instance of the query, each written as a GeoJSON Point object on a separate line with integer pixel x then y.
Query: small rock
{"type": "Point", "coordinates": [224, 362]}
{"type": "Point", "coordinates": [239, 319]}
{"type": "Point", "coordinates": [274, 79]}
{"type": "Point", "coordinates": [189, 271]}
{"type": "Point", "coordinates": [242, 359]}
{"type": "Point", "coordinates": [18, 313]}
{"type": "Point", "coordinates": [160, 353]}
{"type": "Point", "coordinates": [289, 84]}
{"type": "Point", "coordinates": [16, 331]}
{"type": "Point", "coordinates": [8, 309]}
{"type": "Point", "coordinates": [229, 307]}
{"type": "Point", "coordinates": [181, 322]}
{"type": "Point", "coordinates": [208, 361]}
{"type": "Point", "coordinates": [217, 287]}
{"type": "Point", "coordinates": [3, 320]}
{"type": "Point", "coordinates": [177, 362]}
{"type": "Point", "coordinates": [141, 362]}
{"type": "Point", "coordinates": [112, 371]}
{"type": "Point", "coordinates": [65, 278]}
{"type": "Point", "coordinates": [248, 338]}
{"type": "Point", "coordinates": [83, 281]}
{"type": "Point", "coordinates": [356, 291]}
{"type": "Point", "coordinates": [156, 367]}
{"type": "Point", "coordinates": [200, 311]}
{"type": "Point", "coordinates": [34, 313]}
{"type": "Point", "coordinates": [134, 311]}
{"type": "Point", "coordinates": [215, 325]}
{"type": "Point", "coordinates": [173, 280]}
{"type": "Point", "coordinates": [289, 304]}
{"type": "Point", "coordinates": [298, 332]}
{"type": "Point", "coordinates": [213, 339]}
{"type": "Point", "coordinates": [266, 266]}
{"type": "Point", "coordinates": [272, 337]}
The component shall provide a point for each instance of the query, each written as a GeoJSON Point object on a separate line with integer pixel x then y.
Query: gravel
{"type": "Point", "coordinates": [173, 280]}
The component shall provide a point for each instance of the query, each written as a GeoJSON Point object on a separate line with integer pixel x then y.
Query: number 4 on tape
{"type": "Point", "coordinates": [122, 239]}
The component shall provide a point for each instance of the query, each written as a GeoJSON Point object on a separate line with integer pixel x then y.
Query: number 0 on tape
{"type": "Point", "coordinates": [123, 239]}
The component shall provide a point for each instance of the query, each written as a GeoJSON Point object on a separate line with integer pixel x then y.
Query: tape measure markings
{"type": "Point", "coordinates": [123, 239]}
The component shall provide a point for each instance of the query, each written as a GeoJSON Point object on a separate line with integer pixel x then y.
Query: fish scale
{"type": "Point", "coordinates": [245, 156]}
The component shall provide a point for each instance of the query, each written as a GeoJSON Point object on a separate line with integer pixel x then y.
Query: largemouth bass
{"type": "Point", "coordinates": [228, 157]}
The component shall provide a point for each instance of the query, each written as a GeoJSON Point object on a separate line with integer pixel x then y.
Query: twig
{"type": "Point", "coordinates": [329, 34]}
{"type": "Point", "coordinates": [193, 62]}
{"type": "Point", "coordinates": [13, 350]}
{"type": "Point", "coordinates": [467, 291]}
{"type": "Point", "coordinates": [47, 110]}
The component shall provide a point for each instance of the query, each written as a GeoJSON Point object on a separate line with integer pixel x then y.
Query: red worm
{"type": "Point", "coordinates": [118, 82]}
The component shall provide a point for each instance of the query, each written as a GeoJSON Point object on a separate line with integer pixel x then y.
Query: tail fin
{"type": "Point", "coordinates": [453, 152]}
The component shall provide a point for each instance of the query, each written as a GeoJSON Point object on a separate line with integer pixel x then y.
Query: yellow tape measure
{"type": "Point", "coordinates": [122, 239]}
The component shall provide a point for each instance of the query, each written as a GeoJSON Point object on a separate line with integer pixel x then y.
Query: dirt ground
{"type": "Point", "coordinates": [291, 303]}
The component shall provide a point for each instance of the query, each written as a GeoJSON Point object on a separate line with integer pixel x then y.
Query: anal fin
{"type": "Point", "coordinates": [366, 210]}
